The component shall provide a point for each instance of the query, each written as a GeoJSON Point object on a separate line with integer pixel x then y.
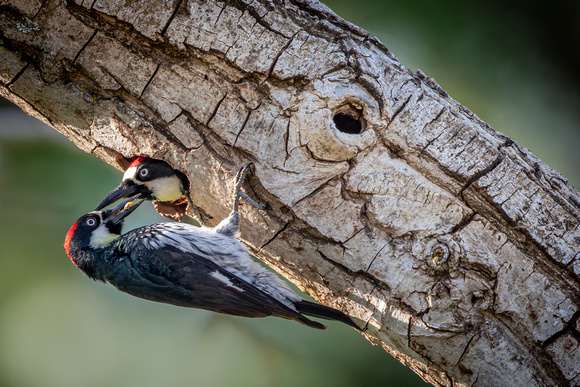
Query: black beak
{"type": "Point", "coordinates": [122, 191]}
{"type": "Point", "coordinates": [122, 210]}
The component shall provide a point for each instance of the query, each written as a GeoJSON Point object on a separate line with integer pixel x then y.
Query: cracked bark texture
{"type": "Point", "coordinates": [456, 248]}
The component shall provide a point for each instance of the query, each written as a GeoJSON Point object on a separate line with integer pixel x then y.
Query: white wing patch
{"type": "Point", "coordinates": [224, 280]}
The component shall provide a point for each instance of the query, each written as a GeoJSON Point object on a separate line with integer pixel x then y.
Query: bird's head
{"type": "Point", "coordinates": [150, 179]}
{"type": "Point", "coordinates": [98, 228]}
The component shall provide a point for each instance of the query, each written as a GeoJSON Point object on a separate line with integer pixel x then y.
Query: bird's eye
{"type": "Point", "coordinates": [143, 173]}
{"type": "Point", "coordinates": [91, 222]}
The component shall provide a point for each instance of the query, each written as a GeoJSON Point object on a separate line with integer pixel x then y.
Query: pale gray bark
{"type": "Point", "coordinates": [457, 249]}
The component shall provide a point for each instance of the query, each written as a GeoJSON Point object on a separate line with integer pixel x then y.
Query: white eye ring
{"type": "Point", "coordinates": [91, 222]}
{"type": "Point", "coordinates": [144, 172]}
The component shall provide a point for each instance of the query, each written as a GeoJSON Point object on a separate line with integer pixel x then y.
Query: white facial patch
{"type": "Point", "coordinates": [165, 189]}
{"type": "Point", "coordinates": [130, 174]}
{"type": "Point", "coordinates": [102, 237]}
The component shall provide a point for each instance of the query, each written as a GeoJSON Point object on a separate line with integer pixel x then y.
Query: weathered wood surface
{"type": "Point", "coordinates": [458, 249]}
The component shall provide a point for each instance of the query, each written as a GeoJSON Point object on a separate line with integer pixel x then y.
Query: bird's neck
{"type": "Point", "coordinates": [167, 188]}
{"type": "Point", "coordinates": [92, 262]}
{"type": "Point", "coordinates": [102, 237]}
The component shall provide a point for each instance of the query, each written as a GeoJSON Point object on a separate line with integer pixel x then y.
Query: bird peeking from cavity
{"type": "Point", "coordinates": [157, 181]}
{"type": "Point", "coordinates": [184, 265]}
{"type": "Point", "coordinates": [166, 187]}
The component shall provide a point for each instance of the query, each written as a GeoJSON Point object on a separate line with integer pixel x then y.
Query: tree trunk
{"type": "Point", "coordinates": [455, 248]}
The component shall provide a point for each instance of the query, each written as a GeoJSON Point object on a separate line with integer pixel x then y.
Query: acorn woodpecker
{"type": "Point", "coordinates": [157, 181]}
{"type": "Point", "coordinates": [184, 265]}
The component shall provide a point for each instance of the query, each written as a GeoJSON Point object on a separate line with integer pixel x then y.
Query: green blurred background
{"type": "Point", "coordinates": [515, 66]}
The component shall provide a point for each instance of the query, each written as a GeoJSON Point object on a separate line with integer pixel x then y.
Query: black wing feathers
{"type": "Point", "coordinates": [173, 276]}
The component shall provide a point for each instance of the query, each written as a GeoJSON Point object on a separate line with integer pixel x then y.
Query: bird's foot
{"type": "Point", "coordinates": [240, 177]}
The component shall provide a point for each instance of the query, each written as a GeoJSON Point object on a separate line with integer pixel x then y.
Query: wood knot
{"type": "Point", "coordinates": [439, 254]}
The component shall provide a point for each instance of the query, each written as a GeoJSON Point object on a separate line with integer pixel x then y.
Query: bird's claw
{"type": "Point", "coordinates": [240, 177]}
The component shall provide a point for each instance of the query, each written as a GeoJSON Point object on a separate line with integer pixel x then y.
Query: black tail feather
{"type": "Point", "coordinates": [312, 324]}
{"type": "Point", "coordinates": [325, 312]}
